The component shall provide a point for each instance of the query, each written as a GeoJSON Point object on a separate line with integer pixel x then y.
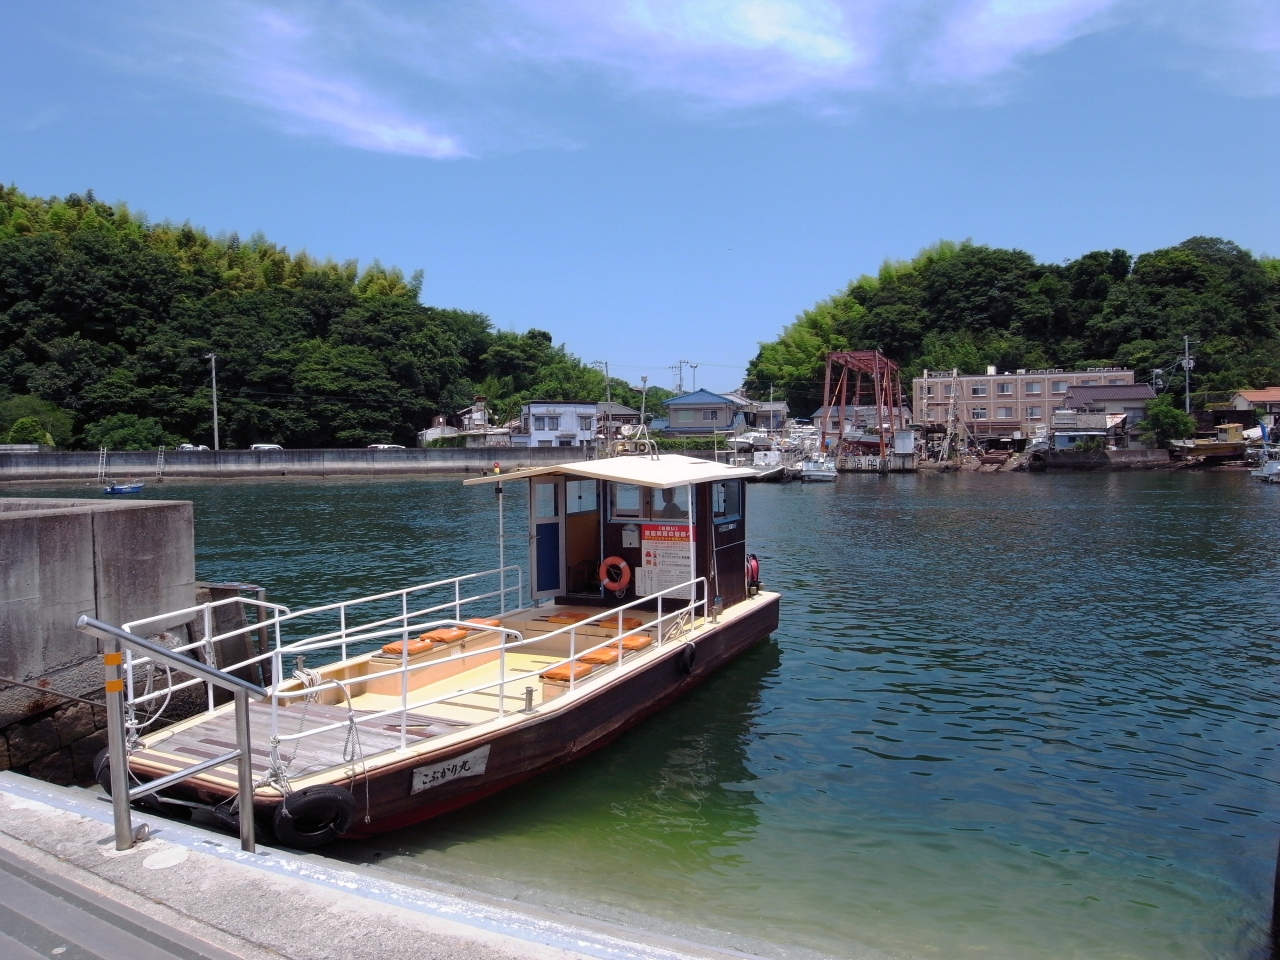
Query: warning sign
{"type": "Point", "coordinates": [664, 563]}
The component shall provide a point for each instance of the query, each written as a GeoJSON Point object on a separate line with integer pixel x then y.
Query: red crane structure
{"type": "Point", "coordinates": [875, 384]}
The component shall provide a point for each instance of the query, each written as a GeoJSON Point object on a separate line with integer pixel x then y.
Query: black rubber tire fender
{"type": "Point", "coordinates": [688, 658]}
{"type": "Point", "coordinates": [152, 802]}
{"type": "Point", "coordinates": [314, 816]}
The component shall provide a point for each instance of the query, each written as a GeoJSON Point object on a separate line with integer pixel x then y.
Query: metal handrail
{"type": "Point", "coordinates": [121, 794]}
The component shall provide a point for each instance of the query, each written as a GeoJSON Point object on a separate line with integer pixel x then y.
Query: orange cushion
{"type": "Point", "coordinates": [602, 656]}
{"type": "Point", "coordinates": [420, 645]}
{"type": "Point", "coordinates": [444, 634]}
{"type": "Point", "coordinates": [628, 623]}
{"type": "Point", "coordinates": [637, 642]}
{"type": "Point", "coordinates": [562, 673]}
{"type": "Point", "coordinates": [567, 617]}
{"type": "Point", "coordinates": [486, 621]}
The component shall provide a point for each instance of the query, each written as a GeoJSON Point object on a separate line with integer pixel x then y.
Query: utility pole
{"type": "Point", "coordinates": [603, 367]}
{"type": "Point", "coordinates": [213, 369]}
{"type": "Point", "coordinates": [1187, 364]}
{"type": "Point", "coordinates": [694, 368]}
{"type": "Point", "coordinates": [678, 367]}
{"type": "Point", "coordinates": [644, 395]}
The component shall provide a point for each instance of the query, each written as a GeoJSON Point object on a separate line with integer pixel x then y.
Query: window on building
{"type": "Point", "coordinates": [1033, 388]}
{"type": "Point", "coordinates": [979, 413]}
{"type": "Point", "coordinates": [1004, 413]}
{"type": "Point", "coordinates": [1060, 386]}
{"type": "Point", "coordinates": [1033, 413]}
{"type": "Point", "coordinates": [539, 423]}
{"type": "Point", "coordinates": [712, 415]}
{"type": "Point", "coordinates": [978, 390]}
{"type": "Point", "coordinates": [566, 443]}
{"type": "Point", "coordinates": [586, 423]}
{"type": "Point", "coordinates": [948, 389]}
{"type": "Point", "coordinates": [928, 390]}
{"type": "Point", "coordinates": [553, 423]}
{"type": "Point", "coordinates": [1004, 389]}
{"type": "Point", "coordinates": [544, 443]}
{"type": "Point", "coordinates": [1115, 381]}
{"type": "Point", "coordinates": [1089, 382]}
{"type": "Point", "coordinates": [684, 416]}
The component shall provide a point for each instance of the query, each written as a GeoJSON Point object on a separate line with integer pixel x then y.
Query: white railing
{"type": "Point", "coordinates": [668, 626]}
{"type": "Point", "coordinates": [678, 609]}
{"type": "Point", "coordinates": [276, 618]}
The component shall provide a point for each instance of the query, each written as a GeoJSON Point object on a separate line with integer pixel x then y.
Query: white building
{"type": "Point", "coordinates": [556, 423]}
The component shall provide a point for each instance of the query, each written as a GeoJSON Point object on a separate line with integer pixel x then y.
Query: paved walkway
{"type": "Point", "coordinates": [66, 893]}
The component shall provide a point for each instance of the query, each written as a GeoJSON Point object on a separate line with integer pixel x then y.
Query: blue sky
{"type": "Point", "coordinates": [657, 180]}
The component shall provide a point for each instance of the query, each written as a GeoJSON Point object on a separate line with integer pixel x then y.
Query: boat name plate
{"type": "Point", "coordinates": [468, 765]}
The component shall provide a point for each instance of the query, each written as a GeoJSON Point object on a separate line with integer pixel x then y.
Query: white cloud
{"type": "Point", "coordinates": [327, 67]}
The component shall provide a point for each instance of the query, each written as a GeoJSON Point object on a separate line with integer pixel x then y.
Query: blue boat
{"type": "Point", "coordinates": [119, 488]}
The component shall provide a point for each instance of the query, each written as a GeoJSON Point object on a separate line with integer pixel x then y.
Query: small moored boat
{"type": "Point", "coordinates": [817, 469]}
{"type": "Point", "coordinates": [116, 489]}
{"type": "Point", "coordinates": [376, 713]}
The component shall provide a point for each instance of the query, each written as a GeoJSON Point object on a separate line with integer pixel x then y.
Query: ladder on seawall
{"type": "Point", "coordinates": [160, 462]}
{"type": "Point", "coordinates": [102, 464]}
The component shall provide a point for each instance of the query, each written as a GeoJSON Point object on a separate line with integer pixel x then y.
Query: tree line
{"type": "Point", "coordinates": [108, 321]}
{"type": "Point", "coordinates": [967, 306]}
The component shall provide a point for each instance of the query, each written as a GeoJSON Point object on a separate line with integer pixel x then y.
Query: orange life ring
{"type": "Point", "coordinates": [624, 577]}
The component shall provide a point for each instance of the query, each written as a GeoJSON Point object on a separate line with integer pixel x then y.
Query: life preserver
{"type": "Point", "coordinates": [753, 574]}
{"type": "Point", "coordinates": [606, 577]}
{"type": "Point", "coordinates": [313, 816]}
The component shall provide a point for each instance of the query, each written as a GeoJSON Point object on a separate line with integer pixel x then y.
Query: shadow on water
{"type": "Point", "coordinates": [669, 800]}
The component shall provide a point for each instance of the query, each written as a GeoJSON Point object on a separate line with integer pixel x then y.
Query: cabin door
{"type": "Point", "coordinates": [546, 536]}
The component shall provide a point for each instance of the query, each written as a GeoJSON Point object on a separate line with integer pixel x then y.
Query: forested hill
{"type": "Point", "coordinates": [964, 305]}
{"type": "Point", "coordinates": [106, 321]}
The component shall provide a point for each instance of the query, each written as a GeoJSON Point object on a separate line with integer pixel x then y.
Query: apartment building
{"type": "Point", "coordinates": [1005, 405]}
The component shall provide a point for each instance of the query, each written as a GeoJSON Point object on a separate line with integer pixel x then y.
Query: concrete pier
{"type": "Point", "coordinates": [192, 894]}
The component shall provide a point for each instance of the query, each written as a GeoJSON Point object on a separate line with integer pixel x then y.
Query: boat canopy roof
{"type": "Point", "coordinates": [661, 472]}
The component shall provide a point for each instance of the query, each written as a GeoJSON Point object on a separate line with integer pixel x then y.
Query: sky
{"type": "Point", "coordinates": [656, 180]}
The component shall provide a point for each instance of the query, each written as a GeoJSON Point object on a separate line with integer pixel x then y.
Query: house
{"type": "Point", "coordinates": [1004, 406]}
{"type": "Point", "coordinates": [1128, 399]}
{"type": "Point", "coordinates": [556, 423]}
{"type": "Point", "coordinates": [1265, 402]}
{"type": "Point", "coordinates": [438, 430]}
{"type": "Point", "coordinates": [1068, 428]}
{"type": "Point", "coordinates": [772, 414]}
{"type": "Point", "coordinates": [700, 412]}
{"type": "Point", "coordinates": [474, 417]}
{"type": "Point", "coordinates": [616, 413]}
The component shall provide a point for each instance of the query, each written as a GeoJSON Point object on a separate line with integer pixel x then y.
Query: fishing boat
{"type": "Point", "coordinates": [817, 469]}
{"type": "Point", "coordinates": [1228, 443]}
{"type": "Point", "coordinates": [117, 489]}
{"type": "Point", "coordinates": [377, 713]}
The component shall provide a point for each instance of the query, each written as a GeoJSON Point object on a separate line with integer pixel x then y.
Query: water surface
{"type": "Point", "coordinates": [1004, 716]}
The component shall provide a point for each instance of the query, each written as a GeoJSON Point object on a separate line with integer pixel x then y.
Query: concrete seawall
{"type": "Point", "coordinates": [250, 464]}
{"type": "Point", "coordinates": [237, 464]}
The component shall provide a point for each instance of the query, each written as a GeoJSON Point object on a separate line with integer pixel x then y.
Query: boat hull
{"type": "Point", "coordinates": [557, 737]}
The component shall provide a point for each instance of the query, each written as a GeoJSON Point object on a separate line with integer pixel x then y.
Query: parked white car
{"type": "Point", "coordinates": [192, 446]}
{"type": "Point", "coordinates": [266, 446]}
{"type": "Point", "coordinates": [386, 446]}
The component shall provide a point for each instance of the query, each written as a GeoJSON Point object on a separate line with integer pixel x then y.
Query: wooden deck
{"type": "Point", "coordinates": [319, 751]}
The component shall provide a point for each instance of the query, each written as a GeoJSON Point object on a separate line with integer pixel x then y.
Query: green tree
{"type": "Point", "coordinates": [29, 430]}
{"type": "Point", "coordinates": [127, 431]}
{"type": "Point", "coordinates": [55, 421]}
{"type": "Point", "coordinates": [1165, 422]}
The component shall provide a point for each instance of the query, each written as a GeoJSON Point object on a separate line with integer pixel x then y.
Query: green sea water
{"type": "Point", "coordinates": [1009, 716]}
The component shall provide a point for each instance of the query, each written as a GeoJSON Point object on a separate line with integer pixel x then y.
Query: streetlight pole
{"type": "Point", "coordinates": [694, 368]}
{"type": "Point", "coordinates": [213, 369]}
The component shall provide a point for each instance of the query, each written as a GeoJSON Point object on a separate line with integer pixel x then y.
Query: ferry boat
{"type": "Point", "coordinates": [381, 712]}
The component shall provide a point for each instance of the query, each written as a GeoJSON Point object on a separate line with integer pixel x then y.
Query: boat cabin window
{"type": "Point", "coordinates": [628, 502]}
{"type": "Point", "coordinates": [726, 500]}
{"type": "Point", "coordinates": [580, 496]}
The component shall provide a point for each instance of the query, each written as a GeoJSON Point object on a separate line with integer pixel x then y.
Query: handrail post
{"type": "Point", "coordinates": [342, 625]}
{"type": "Point", "coordinates": [245, 769]}
{"type": "Point", "coordinates": [116, 747]}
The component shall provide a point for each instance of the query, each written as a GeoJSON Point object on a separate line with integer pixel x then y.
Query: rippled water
{"type": "Point", "coordinates": [1003, 717]}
